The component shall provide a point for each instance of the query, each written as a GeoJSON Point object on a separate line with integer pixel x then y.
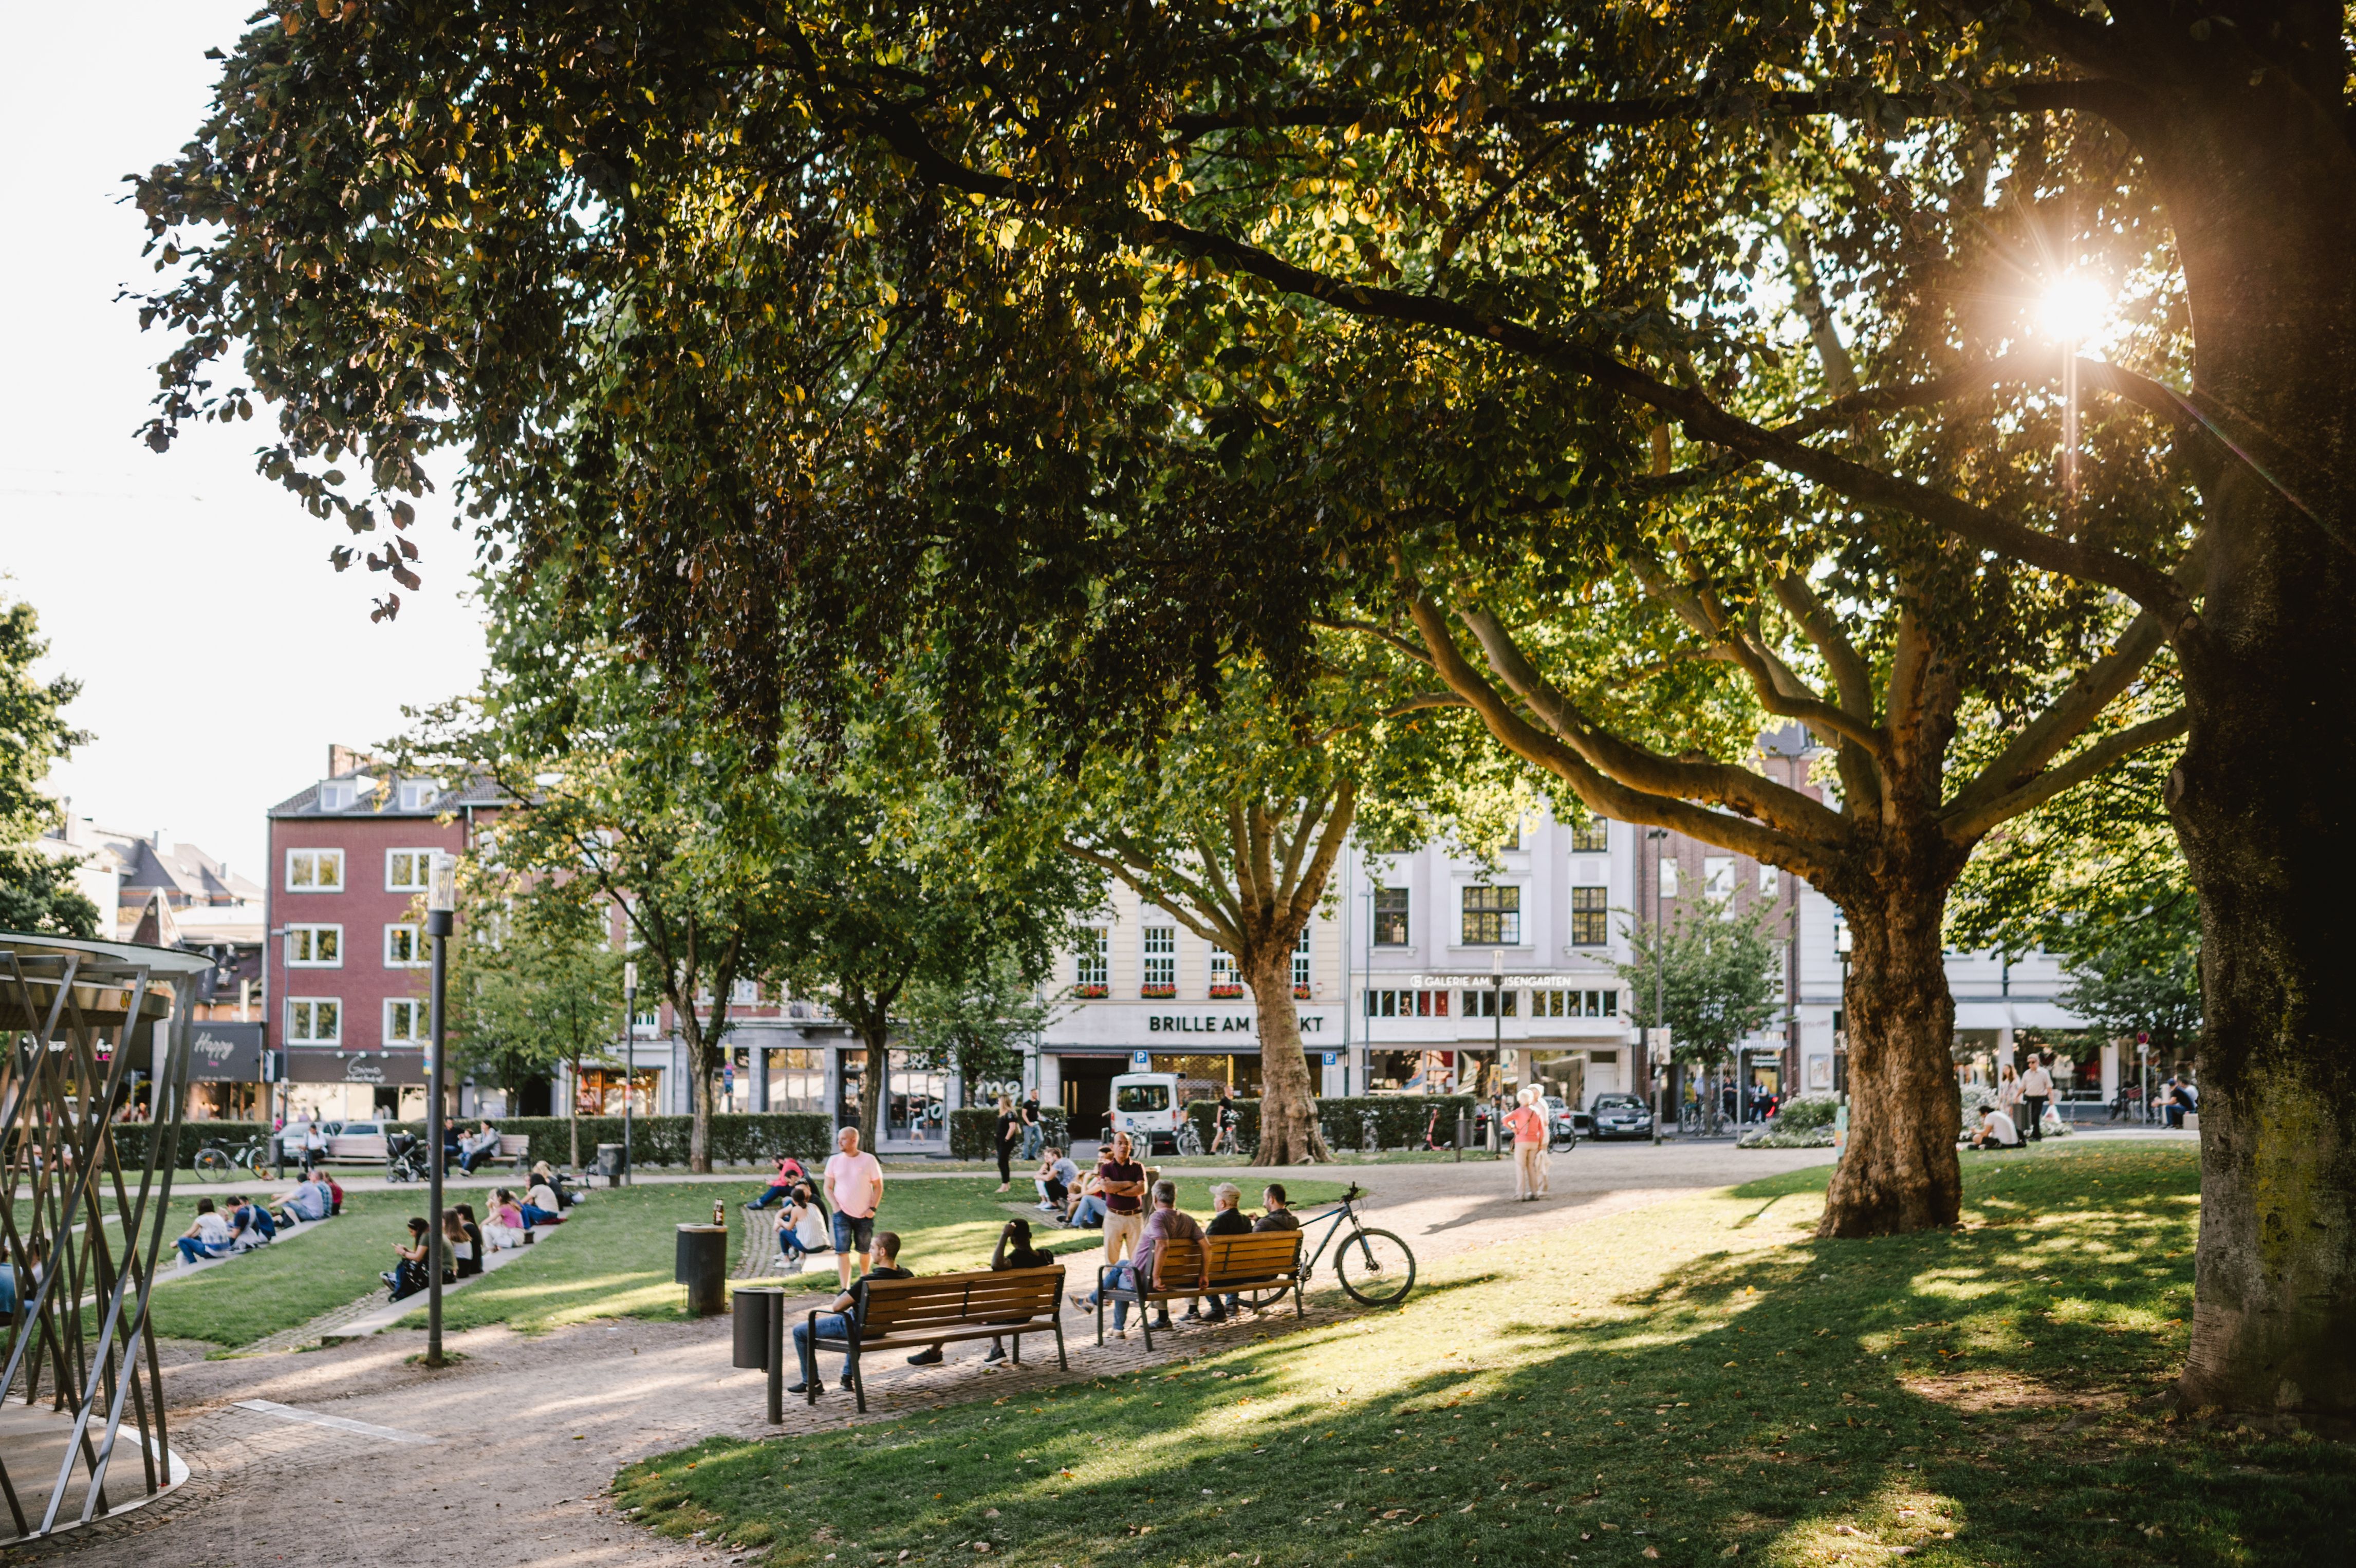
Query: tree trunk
{"type": "Point", "coordinates": [872, 1084]}
{"type": "Point", "coordinates": [2260, 189]}
{"type": "Point", "coordinates": [701, 1066]}
{"type": "Point", "coordinates": [1899, 1171]}
{"type": "Point", "coordinates": [572, 1114]}
{"type": "Point", "coordinates": [1288, 1133]}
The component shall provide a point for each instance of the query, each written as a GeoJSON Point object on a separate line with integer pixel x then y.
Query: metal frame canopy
{"type": "Point", "coordinates": [83, 1204]}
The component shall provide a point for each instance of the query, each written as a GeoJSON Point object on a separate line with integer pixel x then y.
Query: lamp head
{"type": "Point", "coordinates": [1496, 963]}
{"type": "Point", "coordinates": [630, 976]}
{"type": "Point", "coordinates": [442, 884]}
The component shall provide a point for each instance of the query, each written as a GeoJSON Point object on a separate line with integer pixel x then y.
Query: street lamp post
{"type": "Point", "coordinates": [1497, 1041]}
{"type": "Point", "coordinates": [441, 919]}
{"type": "Point", "coordinates": [629, 1058]}
{"type": "Point", "coordinates": [1660, 1030]}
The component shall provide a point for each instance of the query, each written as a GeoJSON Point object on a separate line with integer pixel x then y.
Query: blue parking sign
{"type": "Point", "coordinates": [1140, 1060]}
{"type": "Point", "coordinates": [1333, 1058]}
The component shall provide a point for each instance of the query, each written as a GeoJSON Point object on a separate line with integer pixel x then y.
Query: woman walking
{"type": "Point", "coordinates": [1009, 1134]}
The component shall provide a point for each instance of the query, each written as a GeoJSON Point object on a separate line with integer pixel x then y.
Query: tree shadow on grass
{"type": "Point", "coordinates": [1812, 1399]}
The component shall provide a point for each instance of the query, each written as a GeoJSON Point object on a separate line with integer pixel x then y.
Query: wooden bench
{"type": "Point", "coordinates": [1217, 1266]}
{"type": "Point", "coordinates": [903, 1314]}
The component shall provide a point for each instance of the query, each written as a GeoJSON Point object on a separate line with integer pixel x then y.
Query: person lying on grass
{"type": "Point", "coordinates": [835, 1322]}
{"type": "Point", "coordinates": [1168, 1222]}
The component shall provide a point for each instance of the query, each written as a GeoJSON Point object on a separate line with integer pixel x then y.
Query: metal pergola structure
{"type": "Point", "coordinates": [83, 1199]}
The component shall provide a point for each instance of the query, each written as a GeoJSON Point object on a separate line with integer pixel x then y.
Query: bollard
{"type": "Point", "coordinates": [1464, 1135]}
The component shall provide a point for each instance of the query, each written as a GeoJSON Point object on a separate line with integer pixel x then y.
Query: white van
{"type": "Point", "coordinates": [1146, 1106]}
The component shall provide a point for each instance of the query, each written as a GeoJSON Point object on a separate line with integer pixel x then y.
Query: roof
{"type": "Point", "coordinates": [377, 794]}
{"type": "Point", "coordinates": [184, 873]}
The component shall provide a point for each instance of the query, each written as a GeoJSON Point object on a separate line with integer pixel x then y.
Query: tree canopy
{"type": "Point", "coordinates": [37, 889]}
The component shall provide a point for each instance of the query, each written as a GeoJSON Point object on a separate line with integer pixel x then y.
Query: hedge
{"type": "Point", "coordinates": [131, 1140]}
{"type": "Point", "coordinates": [754, 1137]}
{"type": "Point", "coordinates": [973, 1131]}
{"type": "Point", "coordinates": [1399, 1119]}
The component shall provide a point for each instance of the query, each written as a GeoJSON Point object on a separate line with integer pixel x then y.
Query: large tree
{"type": "Point", "coordinates": [37, 889]}
{"type": "Point", "coordinates": [535, 981]}
{"type": "Point", "coordinates": [605, 250]}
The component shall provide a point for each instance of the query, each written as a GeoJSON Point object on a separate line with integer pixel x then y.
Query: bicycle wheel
{"type": "Point", "coordinates": [1376, 1268]}
{"type": "Point", "coordinates": [1563, 1141]}
{"type": "Point", "coordinates": [213, 1164]}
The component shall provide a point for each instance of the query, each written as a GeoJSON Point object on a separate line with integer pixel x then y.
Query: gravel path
{"type": "Point", "coordinates": [517, 1441]}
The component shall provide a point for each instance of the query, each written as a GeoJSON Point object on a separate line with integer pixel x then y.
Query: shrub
{"type": "Point", "coordinates": [737, 1137]}
{"type": "Point", "coordinates": [1399, 1119]}
{"type": "Point", "coordinates": [1805, 1112]}
{"type": "Point", "coordinates": [971, 1130]}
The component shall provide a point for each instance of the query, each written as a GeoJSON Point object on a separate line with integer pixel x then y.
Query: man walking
{"type": "Point", "coordinates": [2036, 1093]}
{"type": "Point", "coordinates": [854, 1189]}
{"type": "Point", "coordinates": [1122, 1180]}
{"type": "Point", "coordinates": [1528, 1123]}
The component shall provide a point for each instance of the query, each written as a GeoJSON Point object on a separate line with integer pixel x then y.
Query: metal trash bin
{"type": "Point", "coordinates": [612, 1162]}
{"type": "Point", "coordinates": [759, 1341]}
{"type": "Point", "coordinates": [702, 1267]}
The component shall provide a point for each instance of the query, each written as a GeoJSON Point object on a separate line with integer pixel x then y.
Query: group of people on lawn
{"type": "Point", "coordinates": [236, 1223]}
{"type": "Point", "coordinates": [509, 1222]}
{"type": "Point", "coordinates": [1133, 1243]}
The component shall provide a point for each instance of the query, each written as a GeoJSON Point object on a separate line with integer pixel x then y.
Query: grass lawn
{"type": "Point", "coordinates": [615, 1255]}
{"type": "Point", "coordinates": [1692, 1382]}
{"type": "Point", "coordinates": [278, 1288]}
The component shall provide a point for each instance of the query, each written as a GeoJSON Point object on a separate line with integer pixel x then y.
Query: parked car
{"type": "Point", "coordinates": [1560, 1114]}
{"type": "Point", "coordinates": [357, 1141]}
{"type": "Point", "coordinates": [1621, 1116]}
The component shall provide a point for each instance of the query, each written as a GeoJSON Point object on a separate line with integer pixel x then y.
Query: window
{"type": "Point", "coordinates": [406, 947]}
{"type": "Point", "coordinates": [797, 1079]}
{"type": "Point", "coordinates": [1589, 922]}
{"type": "Point", "coordinates": [1718, 877]}
{"type": "Point", "coordinates": [1592, 837]}
{"type": "Point", "coordinates": [646, 1021]}
{"type": "Point", "coordinates": [405, 1022]}
{"type": "Point", "coordinates": [1492, 917]}
{"type": "Point", "coordinates": [1093, 971]}
{"type": "Point", "coordinates": [1390, 917]}
{"type": "Point", "coordinates": [315, 870]}
{"type": "Point", "coordinates": [1142, 1097]}
{"type": "Point", "coordinates": [338, 794]}
{"type": "Point", "coordinates": [1484, 1003]}
{"type": "Point", "coordinates": [1226, 982]}
{"type": "Point", "coordinates": [1300, 965]}
{"type": "Point", "coordinates": [315, 1020]}
{"type": "Point", "coordinates": [1770, 882]}
{"type": "Point", "coordinates": [744, 994]}
{"type": "Point", "coordinates": [1406, 1004]}
{"type": "Point", "coordinates": [416, 795]}
{"type": "Point", "coordinates": [1668, 879]}
{"type": "Point", "coordinates": [1574, 1004]}
{"type": "Point", "coordinates": [1160, 962]}
{"type": "Point", "coordinates": [408, 870]}
{"type": "Point", "coordinates": [316, 946]}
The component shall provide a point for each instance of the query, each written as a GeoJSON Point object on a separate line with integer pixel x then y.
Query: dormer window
{"type": "Point", "coordinates": [416, 795]}
{"type": "Point", "coordinates": [339, 794]}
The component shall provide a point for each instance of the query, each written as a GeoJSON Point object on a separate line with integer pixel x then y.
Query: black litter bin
{"type": "Point", "coordinates": [612, 1162]}
{"type": "Point", "coordinates": [760, 1341]}
{"type": "Point", "coordinates": [703, 1268]}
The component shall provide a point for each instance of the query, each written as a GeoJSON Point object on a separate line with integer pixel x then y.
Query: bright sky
{"type": "Point", "coordinates": [218, 653]}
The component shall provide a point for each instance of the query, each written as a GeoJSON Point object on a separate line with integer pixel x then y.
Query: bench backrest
{"type": "Point", "coordinates": [983, 1296]}
{"type": "Point", "coordinates": [1178, 1263]}
{"type": "Point", "coordinates": [1264, 1254]}
{"type": "Point", "coordinates": [512, 1144]}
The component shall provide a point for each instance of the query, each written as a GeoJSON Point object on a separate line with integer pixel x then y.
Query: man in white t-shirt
{"type": "Point", "coordinates": [854, 1189]}
{"type": "Point", "coordinates": [1997, 1128]}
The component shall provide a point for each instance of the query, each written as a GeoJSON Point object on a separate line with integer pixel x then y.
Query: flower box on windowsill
{"type": "Point", "coordinates": [1300, 993]}
{"type": "Point", "coordinates": [1157, 993]}
{"type": "Point", "coordinates": [1089, 992]}
{"type": "Point", "coordinates": [1225, 993]}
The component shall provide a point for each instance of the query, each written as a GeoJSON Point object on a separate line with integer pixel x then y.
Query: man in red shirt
{"type": "Point", "coordinates": [1528, 1123]}
{"type": "Point", "coordinates": [1124, 1194]}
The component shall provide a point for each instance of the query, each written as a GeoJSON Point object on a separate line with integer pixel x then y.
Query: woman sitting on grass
{"type": "Point", "coordinates": [542, 1206]}
{"type": "Point", "coordinates": [803, 1228]}
{"type": "Point", "coordinates": [458, 1246]}
{"type": "Point", "coordinates": [504, 1227]}
{"type": "Point", "coordinates": [407, 1275]}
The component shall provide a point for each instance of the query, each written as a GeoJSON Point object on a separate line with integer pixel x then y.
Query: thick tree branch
{"type": "Point", "coordinates": [1967, 827]}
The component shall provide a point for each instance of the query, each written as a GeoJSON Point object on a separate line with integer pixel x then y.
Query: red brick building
{"type": "Point", "coordinates": [347, 958]}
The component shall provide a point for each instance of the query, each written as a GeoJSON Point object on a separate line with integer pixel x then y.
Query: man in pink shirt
{"type": "Point", "coordinates": [855, 1188]}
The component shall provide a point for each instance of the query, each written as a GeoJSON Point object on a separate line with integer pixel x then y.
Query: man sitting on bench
{"type": "Point", "coordinates": [1168, 1222]}
{"type": "Point", "coordinates": [836, 1323]}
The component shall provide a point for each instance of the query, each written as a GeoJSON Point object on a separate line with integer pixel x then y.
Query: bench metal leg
{"type": "Point", "coordinates": [1298, 1309]}
{"type": "Point", "coordinates": [774, 1326]}
{"type": "Point", "coordinates": [809, 1383]}
{"type": "Point", "coordinates": [1018, 1348]}
{"type": "Point", "coordinates": [1062, 1362]}
{"type": "Point", "coordinates": [1144, 1322]}
{"type": "Point", "coordinates": [858, 1383]}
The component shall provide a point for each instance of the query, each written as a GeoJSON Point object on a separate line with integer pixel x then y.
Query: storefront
{"type": "Point", "coordinates": [225, 1073]}
{"type": "Point", "coordinates": [355, 1085]}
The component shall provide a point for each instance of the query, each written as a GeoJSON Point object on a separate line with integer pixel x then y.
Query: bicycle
{"type": "Point", "coordinates": [1374, 1266]}
{"type": "Point", "coordinates": [214, 1161]}
{"type": "Point", "coordinates": [1564, 1137]}
{"type": "Point", "coordinates": [1190, 1141]}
